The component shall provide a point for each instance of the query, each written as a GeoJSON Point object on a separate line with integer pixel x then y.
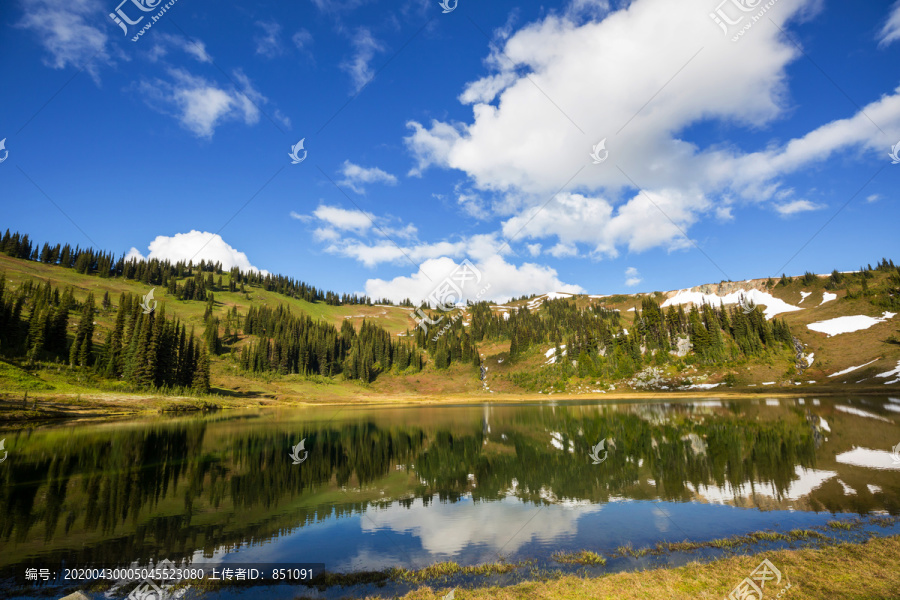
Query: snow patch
{"type": "Point", "coordinates": [851, 369]}
{"type": "Point", "coordinates": [805, 296]}
{"type": "Point", "coordinates": [827, 297]}
{"type": "Point", "coordinates": [833, 327]}
{"type": "Point", "coordinates": [773, 305]}
{"type": "Point", "coordinates": [893, 373]}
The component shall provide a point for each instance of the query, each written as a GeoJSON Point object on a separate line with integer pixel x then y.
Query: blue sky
{"type": "Point", "coordinates": [436, 137]}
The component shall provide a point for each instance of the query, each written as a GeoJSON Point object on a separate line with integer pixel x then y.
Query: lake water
{"type": "Point", "coordinates": [409, 486]}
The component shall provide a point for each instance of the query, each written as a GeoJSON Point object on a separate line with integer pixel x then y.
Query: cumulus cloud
{"type": "Point", "coordinates": [355, 177]}
{"type": "Point", "coordinates": [195, 246]}
{"type": "Point", "coordinates": [359, 67]}
{"type": "Point", "coordinates": [891, 31]}
{"type": "Point", "coordinates": [506, 281]}
{"type": "Point", "coordinates": [562, 83]}
{"type": "Point", "coordinates": [199, 104]}
{"type": "Point", "coordinates": [633, 277]}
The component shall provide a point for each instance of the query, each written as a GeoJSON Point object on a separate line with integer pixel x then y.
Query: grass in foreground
{"type": "Point", "coordinates": [867, 570]}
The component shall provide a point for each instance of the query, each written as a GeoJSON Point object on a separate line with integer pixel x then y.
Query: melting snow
{"type": "Point", "coordinates": [851, 369]}
{"type": "Point", "coordinates": [773, 305]}
{"type": "Point", "coordinates": [893, 373]}
{"type": "Point", "coordinates": [805, 296]}
{"type": "Point", "coordinates": [850, 324]}
{"type": "Point", "coordinates": [827, 297]}
{"type": "Point", "coordinates": [824, 425]}
{"type": "Point", "coordinates": [703, 386]}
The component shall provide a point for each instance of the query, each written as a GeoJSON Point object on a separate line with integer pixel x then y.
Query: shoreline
{"type": "Point", "coordinates": [112, 405]}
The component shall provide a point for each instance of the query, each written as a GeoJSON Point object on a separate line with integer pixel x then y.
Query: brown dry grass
{"type": "Point", "coordinates": [868, 570]}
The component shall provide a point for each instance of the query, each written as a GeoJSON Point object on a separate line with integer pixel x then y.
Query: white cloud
{"type": "Point", "coordinates": [73, 32]}
{"type": "Point", "coordinates": [472, 204]}
{"type": "Point", "coordinates": [163, 42]}
{"type": "Point", "coordinates": [348, 220]}
{"type": "Point", "coordinates": [797, 206]}
{"type": "Point", "coordinates": [365, 46]}
{"type": "Point", "coordinates": [534, 249]}
{"type": "Point", "coordinates": [196, 246]}
{"type": "Point", "coordinates": [268, 43]}
{"type": "Point", "coordinates": [356, 176]}
{"type": "Point", "coordinates": [891, 31]}
{"type": "Point", "coordinates": [506, 280]}
{"type": "Point", "coordinates": [521, 143]}
{"type": "Point", "coordinates": [633, 277]}
{"type": "Point", "coordinates": [873, 198]}
{"type": "Point", "coordinates": [561, 250]}
{"type": "Point", "coordinates": [201, 105]}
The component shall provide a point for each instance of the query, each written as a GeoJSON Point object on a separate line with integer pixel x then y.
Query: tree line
{"type": "Point", "coordinates": [88, 261]}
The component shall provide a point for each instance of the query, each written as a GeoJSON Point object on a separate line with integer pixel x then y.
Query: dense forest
{"type": "Point", "coordinates": [146, 350]}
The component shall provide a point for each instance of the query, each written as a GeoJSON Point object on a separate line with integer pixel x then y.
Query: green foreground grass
{"type": "Point", "coordinates": [865, 571]}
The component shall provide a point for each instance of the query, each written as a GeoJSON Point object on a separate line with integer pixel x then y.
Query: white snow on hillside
{"type": "Point", "coordinates": [550, 354]}
{"type": "Point", "coordinates": [805, 296]}
{"type": "Point", "coordinates": [538, 300]}
{"type": "Point", "coordinates": [827, 297]}
{"type": "Point", "coordinates": [773, 305]}
{"type": "Point", "coordinates": [851, 369]}
{"type": "Point", "coordinates": [893, 373]}
{"type": "Point", "coordinates": [833, 327]}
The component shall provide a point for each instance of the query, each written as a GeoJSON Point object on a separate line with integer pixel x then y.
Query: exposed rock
{"type": "Point", "coordinates": [75, 596]}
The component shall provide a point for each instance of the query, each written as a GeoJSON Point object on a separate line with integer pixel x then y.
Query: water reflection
{"type": "Point", "coordinates": [413, 485]}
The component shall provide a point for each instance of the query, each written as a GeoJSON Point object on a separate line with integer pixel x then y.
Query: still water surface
{"type": "Point", "coordinates": [410, 486]}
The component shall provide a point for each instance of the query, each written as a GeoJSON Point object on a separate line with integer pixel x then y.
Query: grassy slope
{"type": "Point", "coordinates": [831, 354]}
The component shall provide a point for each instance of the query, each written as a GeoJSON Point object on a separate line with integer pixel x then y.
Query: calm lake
{"type": "Point", "coordinates": [378, 487]}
